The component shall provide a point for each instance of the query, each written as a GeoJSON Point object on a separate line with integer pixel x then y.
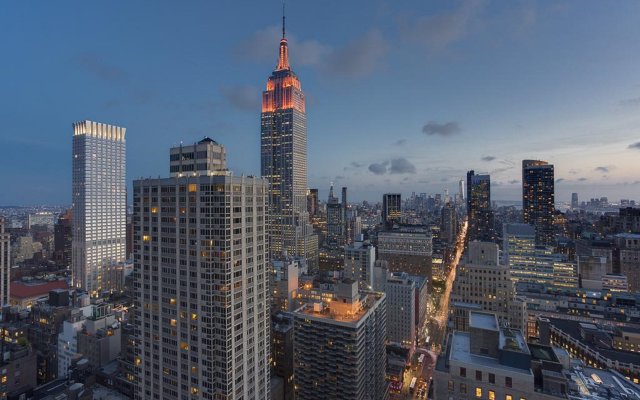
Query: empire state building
{"type": "Point", "coordinates": [284, 162]}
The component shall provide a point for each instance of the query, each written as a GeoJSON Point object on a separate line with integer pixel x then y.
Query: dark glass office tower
{"type": "Point", "coordinates": [479, 214]}
{"type": "Point", "coordinates": [391, 209]}
{"type": "Point", "coordinates": [538, 198]}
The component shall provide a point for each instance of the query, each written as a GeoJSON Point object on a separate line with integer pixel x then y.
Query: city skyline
{"type": "Point", "coordinates": [483, 83]}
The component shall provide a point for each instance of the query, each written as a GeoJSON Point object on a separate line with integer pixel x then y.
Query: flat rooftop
{"type": "Point", "coordinates": [461, 352]}
{"type": "Point", "coordinates": [367, 302]}
{"type": "Point", "coordinates": [483, 321]}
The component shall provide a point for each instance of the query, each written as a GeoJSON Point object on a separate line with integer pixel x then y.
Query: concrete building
{"type": "Point", "coordinates": [43, 218]}
{"type": "Point", "coordinates": [538, 199]}
{"type": "Point", "coordinates": [401, 308]}
{"type": "Point", "coordinates": [490, 362]}
{"type": "Point", "coordinates": [284, 284]}
{"type": "Point", "coordinates": [479, 213]}
{"type": "Point", "coordinates": [5, 265]}
{"type": "Point", "coordinates": [99, 202]}
{"type": "Point", "coordinates": [199, 158]}
{"type": "Point", "coordinates": [482, 281]}
{"type": "Point", "coordinates": [359, 260]}
{"type": "Point", "coordinates": [628, 255]}
{"type": "Point", "coordinates": [629, 220]}
{"type": "Point", "coordinates": [407, 249]}
{"type": "Point", "coordinates": [339, 348]}
{"type": "Point", "coordinates": [17, 365]}
{"type": "Point", "coordinates": [391, 209]}
{"type": "Point", "coordinates": [282, 353]}
{"type": "Point", "coordinates": [312, 202]}
{"type": "Point", "coordinates": [202, 287]}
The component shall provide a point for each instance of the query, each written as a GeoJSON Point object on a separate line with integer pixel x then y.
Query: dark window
{"type": "Point", "coordinates": [492, 378]}
{"type": "Point", "coordinates": [508, 382]}
{"type": "Point", "coordinates": [463, 372]}
{"type": "Point", "coordinates": [478, 375]}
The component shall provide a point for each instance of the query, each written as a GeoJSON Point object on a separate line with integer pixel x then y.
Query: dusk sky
{"type": "Point", "coordinates": [402, 96]}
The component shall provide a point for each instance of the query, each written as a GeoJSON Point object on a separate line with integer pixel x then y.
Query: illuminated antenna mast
{"type": "Point", "coordinates": [283, 18]}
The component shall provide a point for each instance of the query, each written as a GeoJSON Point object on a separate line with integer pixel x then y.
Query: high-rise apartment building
{"type": "Point", "coordinates": [202, 285]}
{"type": "Point", "coordinates": [538, 198]}
{"type": "Point", "coordinates": [5, 264]}
{"type": "Point", "coordinates": [99, 196]}
{"type": "Point", "coordinates": [483, 283]}
{"type": "Point", "coordinates": [206, 156]}
{"type": "Point", "coordinates": [391, 209]}
{"type": "Point", "coordinates": [284, 162]}
{"type": "Point", "coordinates": [345, 218]}
{"type": "Point", "coordinates": [479, 213]}
{"type": "Point", "coordinates": [574, 201]}
{"type": "Point", "coordinates": [339, 347]}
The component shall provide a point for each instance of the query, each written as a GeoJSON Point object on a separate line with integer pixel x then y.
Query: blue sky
{"type": "Point", "coordinates": [401, 96]}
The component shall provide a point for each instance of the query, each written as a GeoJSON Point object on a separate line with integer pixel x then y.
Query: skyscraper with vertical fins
{"type": "Point", "coordinates": [99, 195]}
{"type": "Point", "coordinates": [284, 161]}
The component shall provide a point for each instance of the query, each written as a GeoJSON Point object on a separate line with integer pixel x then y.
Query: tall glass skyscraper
{"type": "Point", "coordinates": [284, 161]}
{"type": "Point", "coordinates": [479, 213]}
{"type": "Point", "coordinates": [99, 204]}
{"type": "Point", "coordinates": [538, 198]}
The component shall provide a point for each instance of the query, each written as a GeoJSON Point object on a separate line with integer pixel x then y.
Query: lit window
{"type": "Point", "coordinates": [492, 395]}
{"type": "Point", "coordinates": [479, 392]}
{"type": "Point", "coordinates": [508, 397]}
{"type": "Point", "coordinates": [192, 188]}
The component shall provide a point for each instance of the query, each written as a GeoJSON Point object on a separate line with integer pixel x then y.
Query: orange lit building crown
{"type": "Point", "coordinates": [283, 87]}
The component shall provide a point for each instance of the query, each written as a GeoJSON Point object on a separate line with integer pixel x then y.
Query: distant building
{"type": "Point", "coordinates": [63, 237]}
{"type": "Point", "coordinates": [448, 224]}
{"type": "Point", "coordinates": [575, 204]}
{"type": "Point", "coordinates": [407, 249]}
{"type": "Point", "coordinates": [527, 262]}
{"type": "Point", "coordinates": [485, 284]}
{"type": "Point", "coordinates": [391, 209]}
{"type": "Point", "coordinates": [339, 348]}
{"type": "Point", "coordinates": [26, 294]}
{"type": "Point", "coordinates": [5, 265]}
{"type": "Point", "coordinates": [538, 199]}
{"type": "Point", "coordinates": [629, 220]}
{"type": "Point", "coordinates": [359, 259]}
{"type": "Point", "coordinates": [312, 202]}
{"type": "Point", "coordinates": [46, 219]}
{"type": "Point", "coordinates": [335, 222]}
{"type": "Point", "coordinates": [479, 213]}
{"type": "Point", "coordinates": [199, 158]}
{"type": "Point", "coordinates": [99, 203]}
{"type": "Point", "coordinates": [628, 254]}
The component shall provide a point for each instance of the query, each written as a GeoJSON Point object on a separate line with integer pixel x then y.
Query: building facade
{"type": "Point", "coordinates": [407, 249]}
{"type": "Point", "coordinates": [284, 162]}
{"type": "Point", "coordinates": [391, 209]}
{"type": "Point", "coordinates": [479, 213]}
{"type": "Point", "coordinates": [484, 283]}
{"type": "Point", "coordinates": [339, 348]}
{"type": "Point", "coordinates": [5, 264]}
{"type": "Point", "coordinates": [202, 287]}
{"type": "Point", "coordinates": [359, 259]}
{"type": "Point", "coordinates": [199, 158]}
{"type": "Point", "coordinates": [99, 196]}
{"type": "Point", "coordinates": [538, 199]}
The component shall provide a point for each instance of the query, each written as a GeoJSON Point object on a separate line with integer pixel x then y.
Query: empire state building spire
{"type": "Point", "coordinates": [283, 59]}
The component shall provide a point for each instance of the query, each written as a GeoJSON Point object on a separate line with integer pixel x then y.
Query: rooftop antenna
{"type": "Point", "coordinates": [283, 18]}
